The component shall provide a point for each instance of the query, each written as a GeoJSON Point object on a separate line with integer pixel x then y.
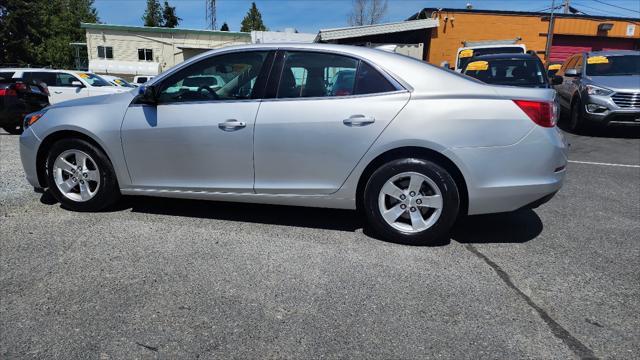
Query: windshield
{"type": "Point", "coordinates": [511, 72]}
{"type": "Point", "coordinates": [122, 82]}
{"type": "Point", "coordinates": [463, 61]}
{"type": "Point", "coordinates": [94, 80]}
{"type": "Point", "coordinates": [613, 65]}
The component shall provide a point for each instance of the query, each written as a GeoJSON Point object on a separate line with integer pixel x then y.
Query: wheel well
{"type": "Point", "coordinates": [415, 152]}
{"type": "Point", "coordinates": [44, 148]}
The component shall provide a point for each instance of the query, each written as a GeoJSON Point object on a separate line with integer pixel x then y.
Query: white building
{"type": "Point", "coordinates": [127, 51]}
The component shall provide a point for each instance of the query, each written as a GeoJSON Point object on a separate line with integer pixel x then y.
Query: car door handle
{"type": "Point", "coordinates": [358, 120]}
{"type": "Point", "coordinates": [57, 92]}
{"type": "Point", "coordinates": [231, 125]}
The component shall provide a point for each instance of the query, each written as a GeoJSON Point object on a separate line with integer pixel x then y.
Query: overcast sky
{"type": "Point", "coordinates": [312, 15]}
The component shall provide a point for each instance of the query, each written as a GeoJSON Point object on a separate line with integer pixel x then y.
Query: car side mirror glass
{"type": "Point", "coordinates": [147, 95]}
{"type": "Point", "coordinates": [556, 80]}
{"type": "Point", "coordinates": [77, 83]}
{"type": "Point", "coordinates": [571, 73]}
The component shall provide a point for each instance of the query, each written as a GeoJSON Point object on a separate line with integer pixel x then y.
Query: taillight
{"type": "Point", "coordinates": [8, 92]}
{"type": "Point", "coordinates": [20, 86]}
{"type": "Point", "coordinates": [543, 113]}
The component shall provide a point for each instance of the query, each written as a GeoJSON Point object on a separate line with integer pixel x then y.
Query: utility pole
{"type": "Point", "coordinates": [547, 50]}
{"type": "Point", "coordinates": [565, 6]}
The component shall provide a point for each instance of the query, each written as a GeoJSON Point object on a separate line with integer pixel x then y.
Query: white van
{"type": "Point", "coordinates": [141, 79]}
{"type": "Point", "coordinates": [66, 84]}
{"type": "Point", "coordinates": [464, 54]}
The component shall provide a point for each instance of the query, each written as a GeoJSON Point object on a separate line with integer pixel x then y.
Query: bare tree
{"type": "Point", "coordinates": [211, 14]}
{"type": "Point", "coordinates": [367, 12]}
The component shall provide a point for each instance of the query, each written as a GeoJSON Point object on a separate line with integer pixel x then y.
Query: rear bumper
{"type": "Point", "coordinates": [507, 178]}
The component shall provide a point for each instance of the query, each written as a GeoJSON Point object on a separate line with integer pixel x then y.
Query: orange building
{"type": "Point", "coordinates": [572, 33]}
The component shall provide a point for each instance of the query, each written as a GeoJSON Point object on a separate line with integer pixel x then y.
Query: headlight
{"type": "Point", "coordinates": [31, 119]}
{"type": "Point", "coordinates": [596, 90]}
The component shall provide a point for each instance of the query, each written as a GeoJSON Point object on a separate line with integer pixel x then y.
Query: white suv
{"type": "Point", "coordinates": [65, 84]}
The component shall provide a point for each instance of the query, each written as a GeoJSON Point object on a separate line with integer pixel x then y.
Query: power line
{"type": "Point", "coordinates": [606, 12]}
{"type": "Point", "coordinates": [616, 6]}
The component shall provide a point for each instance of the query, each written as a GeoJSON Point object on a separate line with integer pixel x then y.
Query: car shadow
{"type": "Point", "coordinates": [514, 227]}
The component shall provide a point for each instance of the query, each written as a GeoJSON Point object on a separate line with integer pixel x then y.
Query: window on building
{"type": "Point", "coordinates": [145, 54]}
{"type": "Point", "coordinates": [105, 52]}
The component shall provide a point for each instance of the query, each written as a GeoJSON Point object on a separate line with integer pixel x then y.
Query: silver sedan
{"type": "Point", "coordinates": [410, 145]}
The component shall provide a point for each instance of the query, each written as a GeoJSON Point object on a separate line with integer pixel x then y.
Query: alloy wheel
{"type": "Point", "coordinates": [410, 202]}
{"type": "Point", "coordinates": [76, 175]}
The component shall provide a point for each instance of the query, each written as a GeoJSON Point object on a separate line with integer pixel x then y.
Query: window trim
{"type": "Point", "coordinates": [256, 93]}
{"type": "Point", "coordinates": [271, 93]}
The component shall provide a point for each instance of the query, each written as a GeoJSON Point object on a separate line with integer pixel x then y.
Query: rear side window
{"type": "Point", "coordinates": [6, 75]}
{"type": "Point", "coordinates": [312, 74]}
{"type": "Point", "coordinates": [48, 78]}
{"type": "Point", "coordinates": [371, 81]}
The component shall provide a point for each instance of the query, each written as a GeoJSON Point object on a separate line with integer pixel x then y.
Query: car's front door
{"type": "Point", "coordinates": [198, 138]}
{"type": "Point", "coordinates": [315, 129]}
{"type": "Point", "coordinates": [64, 88]}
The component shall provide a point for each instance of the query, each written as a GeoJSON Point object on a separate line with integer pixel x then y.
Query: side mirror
{"type": "Point", "coordinates": [147, 95]}
{"type": "Point", "coordinates": [572, 73]}
{"type": "Point", "coordinates": [77, 83]}
{"type": "Point", "coordinates": [556, 80]}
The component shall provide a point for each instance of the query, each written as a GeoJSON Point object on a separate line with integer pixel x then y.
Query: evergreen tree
{"type": "Point", "coordinates": [38, 32]}
{"type": "Point", "coordinates": [153, 14]}
{"type": "Point", "coordinates": [225, 27]}
{"type": "Point", "coordinates": [253, 20]}
{"type": "Point", "coordinates": [169, 16]}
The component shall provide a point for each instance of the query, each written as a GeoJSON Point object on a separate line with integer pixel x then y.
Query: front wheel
{"type": "Point", "coordinates": [577, 122]}
{"type": "Point", "coordinates": [80, 176]}
{"type": "Point", "coordinates": [412, 201]}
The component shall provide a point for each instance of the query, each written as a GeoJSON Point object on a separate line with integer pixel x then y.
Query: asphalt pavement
{"type": "Point", "coordinates": [164, 278]}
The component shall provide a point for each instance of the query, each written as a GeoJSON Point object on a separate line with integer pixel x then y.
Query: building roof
{"type": "Point", "coordinates": [367, 30]}
{"type": "Point", "coordinates": [429, 11]}
{"type": "Point", "coordinates": [162, 30]}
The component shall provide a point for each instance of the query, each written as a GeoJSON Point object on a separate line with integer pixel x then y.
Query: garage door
{"type": "Point", "coordinates": [564, 46]}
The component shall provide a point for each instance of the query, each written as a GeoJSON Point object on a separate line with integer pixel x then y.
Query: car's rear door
{"type": "Point", "coordinates": [198, 139]}
{"type": "Point", "coordinates": [308, 137]}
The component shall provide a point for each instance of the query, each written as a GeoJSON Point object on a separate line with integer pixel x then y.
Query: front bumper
{"type": "Point", "coordinates": [29, 144]}
{"type": "Point", "coordinates": [604, 111]}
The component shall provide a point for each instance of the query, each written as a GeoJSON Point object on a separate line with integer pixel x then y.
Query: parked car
{"type": "Point", "coordinates": [141, 79]}
{"type": "Point", "coordinates": [118, 81]}
{"type": "Point", "coordinates": [66, 84]}
{"type": "Point", "coordinates": [342, 83]}
{"type": "Point", "coordinates": [411, 154]}
{"type": "Point", "coordinates": [601, 88]}
{"type": "Point", "coordinates": [510, 69]}
{"type": "Point", "coordinates": [464, 54]}
{"type": "Point", "coordinates": [17, 99]}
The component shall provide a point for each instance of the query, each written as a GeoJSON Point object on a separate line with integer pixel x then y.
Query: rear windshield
{"type": "Point", "coordinates": [619, 65]}
{"type": "Point", "coordinates": [511, 72]}
{"type": "Point", "coordinates": [463, 61]}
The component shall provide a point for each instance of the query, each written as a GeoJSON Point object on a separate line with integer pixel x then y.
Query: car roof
{"type": "Point", "coordinates": [504, 56]}
{"type": "Point", "coordinates": [44, 70]}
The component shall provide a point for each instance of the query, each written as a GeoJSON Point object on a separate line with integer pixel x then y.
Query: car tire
{"type": "Point", "coordinates": [80, 176]}
{"type": "Point", "coordinates": [577, 122]}
{"type": "Point", "coordinates": [13, 129]}
{"type": "Point", "coordinates": [425, 216]}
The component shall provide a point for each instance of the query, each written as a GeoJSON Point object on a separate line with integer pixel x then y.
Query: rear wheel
{"type": "Point", "coordinates": [13, 129]}
{"type": "Point", "coordinates": [412, 201]}
{"type": "Point", "coordinates": [80, 176]}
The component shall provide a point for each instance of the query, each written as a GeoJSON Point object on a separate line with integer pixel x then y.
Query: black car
{"type": "Point", "coordinates": [523, 70]}
{"type": "Point", "coordinates": [17, 99]}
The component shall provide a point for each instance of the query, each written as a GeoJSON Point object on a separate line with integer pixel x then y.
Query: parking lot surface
{"type": "Point", "coordinates": [163, 278]}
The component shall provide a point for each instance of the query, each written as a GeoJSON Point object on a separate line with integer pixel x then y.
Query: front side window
{"type": "Point", "coordinates": [145, 54]}
{"type": "Point", "coordinates": [224, 77]}
{"type": "Point", "coordinates": [105, 52]}
{"type": "Point", "coordinates": [310, 74]}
